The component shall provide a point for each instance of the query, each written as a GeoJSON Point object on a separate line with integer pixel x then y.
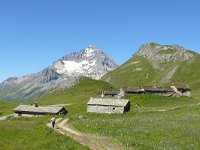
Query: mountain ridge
{"type": "Point", "coordinates": [65, 72]}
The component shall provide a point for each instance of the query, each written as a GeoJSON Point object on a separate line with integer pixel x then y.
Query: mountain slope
{"type": "Point", "coordinates": [78, 93]}
{"type": "Point", "coordinates": [65, 72]}
{"type": "Point", "coordinates": [158, 64]}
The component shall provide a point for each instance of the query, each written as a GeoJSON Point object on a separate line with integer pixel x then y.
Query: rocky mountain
{"type": "Point", "coordinates": [156, 53]}
{"type": "Point", "coordinates": [153, 63]}
{"type": "Point", "coordinates": [65, 72]}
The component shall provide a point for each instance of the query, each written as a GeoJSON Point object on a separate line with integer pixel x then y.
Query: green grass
{"type": "Point", "coordinates": [168, 51]}
{"type": "Point", "coordinates": [144, 127]}
{"type": "Point", "coordinates": [78, 93]}
{"type": "Point", "coordinates": [33, 134]}
{"type": "Point", "coordinates": [153, 44]}
{"type": "Point", "coordinates": [129, 75]}
{"type": "Point", "coordinates": [7, 107]}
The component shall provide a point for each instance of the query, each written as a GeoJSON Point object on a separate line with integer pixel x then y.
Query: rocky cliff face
{"type": "Point", "coordinates": [65, 72]}
{"type": "Point", "coordinates": [157, 54]}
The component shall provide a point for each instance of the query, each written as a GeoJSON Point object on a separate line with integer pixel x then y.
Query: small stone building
{"type": "Point", "coordinates": [109, 93]}
{"type": "Point", "coordinates": [35, 110]}
{"type": "Point", "coordinates": [100, 105]}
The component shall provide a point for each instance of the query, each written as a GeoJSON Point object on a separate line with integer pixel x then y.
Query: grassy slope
{"type": "Point", "coordinates": [187, 72]}
{"type": "Point", "coordinates": [7, 107]}
{"type": "Point", "coordinates": [127, 74]}
{"type": "Point", "coordinates": [7, 93]}
{"type": "Point", "coordinates": [33, 134]}
{"type": "Point", "coordinates": [78, 93]}
{"type": "Point", "coordinates": [143, 127]}
{"type": "Point", "coordinates": [39, 136]}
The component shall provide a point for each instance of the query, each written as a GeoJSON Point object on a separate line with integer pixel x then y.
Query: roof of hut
{"type": "Point", "coordinates": [108, 102]}
{"type": "Point", "coordinates": [111, 92]}
{"type": "Point", "coordinates": [155, 89]}
{"type": "Point", "coordinates": [39, 109]}
{"type": "Point", "coordinates": [135, 89]}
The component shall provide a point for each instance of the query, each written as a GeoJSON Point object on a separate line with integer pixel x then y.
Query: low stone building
{"type": "Point", "coordinates": [35, 110]}
{"type": "Point", "coordinates": [100, 105]}
{"type": "Point", "coordinates": [109, 93]}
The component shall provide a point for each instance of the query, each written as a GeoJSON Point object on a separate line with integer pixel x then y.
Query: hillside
{"type": "Point", "coordinates": [158, 64]}
{"type": "Point", "coordinates": [79, 93]}
{"type": "Point", "coordinates": [33, 134]}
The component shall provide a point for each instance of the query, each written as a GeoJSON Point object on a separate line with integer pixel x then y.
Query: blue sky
{"type": "Point", "coordinates": [34, 33]}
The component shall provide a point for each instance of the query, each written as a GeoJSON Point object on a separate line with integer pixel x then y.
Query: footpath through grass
{"type": "Point", "coordinates": [33, 134]}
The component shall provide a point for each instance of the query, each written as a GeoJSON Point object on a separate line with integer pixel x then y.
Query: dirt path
{"type": "Point", "coordinates": [91, 142]}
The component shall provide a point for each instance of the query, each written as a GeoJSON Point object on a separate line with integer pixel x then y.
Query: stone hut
{"type": "Point", "coordinates": [35, 110]}
{"type": "Point", "coordinates": [100, 105]}
{"type": "Point", "coordinates": [109, 93]}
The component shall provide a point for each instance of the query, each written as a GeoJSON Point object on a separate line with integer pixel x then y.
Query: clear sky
{"type": "Point", "coordinates": [34, 33]}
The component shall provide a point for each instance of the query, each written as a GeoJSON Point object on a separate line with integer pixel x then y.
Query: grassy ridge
{"type": "Point", "coordinates": [130, 74]}
{"type": "Point", "coordinates": [33, 134]}
{"type": "Point", "coordinates": [81, 92]}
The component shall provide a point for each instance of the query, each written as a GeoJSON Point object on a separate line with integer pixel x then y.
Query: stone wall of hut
{"type": "Point", "coordinates": [105, 109]}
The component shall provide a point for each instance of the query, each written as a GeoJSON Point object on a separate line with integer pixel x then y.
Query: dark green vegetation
{"type": "Point", "coordinates": [81, 92]}
{"type": "Point", "coordinates": [33, 134]}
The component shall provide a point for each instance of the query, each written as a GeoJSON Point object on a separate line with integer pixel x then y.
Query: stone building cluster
{"type": "Point", "coordinates": [173, 90]}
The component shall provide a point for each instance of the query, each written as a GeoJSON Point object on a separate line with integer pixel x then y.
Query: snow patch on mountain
{"type": "Point", "coordinates": [70, 67]}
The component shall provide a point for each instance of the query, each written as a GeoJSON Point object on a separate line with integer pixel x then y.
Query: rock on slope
{"type": "Point", "coordinates": [90, 62]}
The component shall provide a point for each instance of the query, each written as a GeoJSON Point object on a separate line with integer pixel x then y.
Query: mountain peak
{"type": "Point", "coordinates": [156, 53]}
{"type": "Point", "coordinates": [89, 62]}
{"type": "Point", "coordinates": [91, 50]}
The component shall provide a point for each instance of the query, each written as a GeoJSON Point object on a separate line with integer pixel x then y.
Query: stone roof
{"type": "Point", "coordinates": [39, 109]}
{"type": "Point", "coordinates": [155, 89]}
{"type": "Point", "coordinates": [135, 89]}
{"type": "Point", "coordinates": [108, 102]}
